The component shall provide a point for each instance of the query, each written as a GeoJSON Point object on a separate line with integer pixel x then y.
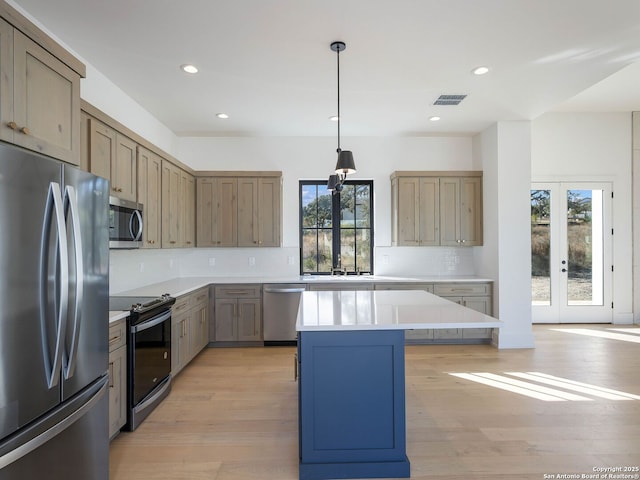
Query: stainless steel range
{"type": "Point", "coordinates": [148, 353]}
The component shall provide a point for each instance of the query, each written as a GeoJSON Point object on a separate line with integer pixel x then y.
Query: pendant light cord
{"type": "Point", "coordinates": [338, 60]}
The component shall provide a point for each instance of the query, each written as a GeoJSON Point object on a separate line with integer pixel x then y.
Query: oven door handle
{"type": "Point", "coordinates": [151, 322]}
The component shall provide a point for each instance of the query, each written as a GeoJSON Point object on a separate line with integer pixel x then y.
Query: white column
{"type": "Point", "coordinates": [504, 151]}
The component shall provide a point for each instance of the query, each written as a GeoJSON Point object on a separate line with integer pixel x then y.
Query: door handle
{"type": "Point", "coordinates": [71, 203]}
{"type": "Point", "coordinates": [54, 208]}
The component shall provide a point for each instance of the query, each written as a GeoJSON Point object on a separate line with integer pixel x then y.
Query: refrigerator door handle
{"type": "Point", "coordinates": [71, 205]}
{"type": "Point", "coordinates": [54, 209]}
{"type": "Point", "coordinates": [17, 447]}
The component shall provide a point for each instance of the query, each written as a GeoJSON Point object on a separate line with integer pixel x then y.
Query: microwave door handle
{"type": "Point", "coordinates": [136, 236]}
{"type": "Point", "coordinates": [70, 200]}
{"type": "Point", "coordinates": [54, 208]}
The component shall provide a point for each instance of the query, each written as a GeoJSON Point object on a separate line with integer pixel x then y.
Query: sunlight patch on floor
{"type": "Point", "coordinates": [600, 334]}
{"type": "Point", "coordinates": [541, 392]}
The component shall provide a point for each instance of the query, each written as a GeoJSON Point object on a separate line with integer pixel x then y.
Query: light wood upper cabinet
{"type": "Point", "coordinates": [149, 191]}
{"type": "Point", "coordinates": [416, 210]}
{"type": "Point", "coordinates": [113, 156]}
{"type": "Point", "coordinates": [178, 207]}
{"type": "Point", "coordinates": [124, 170]}
{"type": "Point", "coordinates": [217, 219]}
{"type": "Point", "coordinates": [461, 211]}
{"type": "Point", "coordinates": [102, 148]}
{"type": "Point", "coordinates": [243, 211]}
{"type": "Point", "coordinates": [187, 209]}
{"type": "Point", "coordinates": [436, 208]}
{"type": "Point", "coordinates": [170, 205]}
{"type": "Point", "coordinates": [39, 98]}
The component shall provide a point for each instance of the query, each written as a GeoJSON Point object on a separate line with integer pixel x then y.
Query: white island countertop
{"type": "Point", "coordinates": [385, 310]}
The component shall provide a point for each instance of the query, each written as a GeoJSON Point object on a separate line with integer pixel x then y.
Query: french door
{"type": "Point", "coordinates": [571, 252]}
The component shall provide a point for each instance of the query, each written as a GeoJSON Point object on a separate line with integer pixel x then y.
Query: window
{"type": "Point", "coordinates": [336, 230]}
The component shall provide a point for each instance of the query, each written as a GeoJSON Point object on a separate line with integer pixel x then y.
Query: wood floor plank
{"type": "Point", "coordinates": [232, 415]}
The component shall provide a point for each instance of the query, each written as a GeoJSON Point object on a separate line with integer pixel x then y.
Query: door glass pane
{"type": "Point", "coordinates": [540, 247]}
{"type": "Point", "coordinates": [584, 247]}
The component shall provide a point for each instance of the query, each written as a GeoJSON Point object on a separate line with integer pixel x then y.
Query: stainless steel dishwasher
{"type": "Point", "coordinates": [279, 312]}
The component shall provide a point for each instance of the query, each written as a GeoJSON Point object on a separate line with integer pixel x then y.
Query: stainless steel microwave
{"type": "Point", "coordinates": [125, 223]}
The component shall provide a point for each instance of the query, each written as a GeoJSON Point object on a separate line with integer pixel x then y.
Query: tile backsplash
{"type": "Point", "coordinates": [134, 268]}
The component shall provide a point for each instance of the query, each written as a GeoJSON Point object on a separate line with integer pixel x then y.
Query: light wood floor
{"type": "Point", "coordinates": [232, 415]}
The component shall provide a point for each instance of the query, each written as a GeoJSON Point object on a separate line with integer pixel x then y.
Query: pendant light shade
{"type": "Point", "coordinates": [332, 184]}
{"type": "Point", "coordinates": [345, 164]}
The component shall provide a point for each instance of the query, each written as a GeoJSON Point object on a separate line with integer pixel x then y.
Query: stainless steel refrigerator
{"type": "Point", "coordinates": [54, 289]}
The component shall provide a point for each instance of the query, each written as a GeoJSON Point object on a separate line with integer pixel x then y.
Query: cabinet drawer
{"type": "Point", "coordinates": [404, 286]}
{"type": "Point", "coordinates": [461, 289]}
{"type": "Point", "coordinates": [182, 304]}
{"type": "Point", "coordinates": [117, 334]}
{"type": "Point", "coordinates": [447, 333]}
{"type": "Point", "coordinates": [238, 291]}
{"type": "Point", "coordinates": [200, 296]}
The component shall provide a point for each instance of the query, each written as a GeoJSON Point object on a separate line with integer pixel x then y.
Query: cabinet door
{"type": "Point", "coordinates": [205, 234]}
{"type": "Point", "coordinates": [102, 150]}
{"type": "Point", "coordinates": [199, 328]}
{"type": "Point", "coordinates": [479, 304]}
{"type": "Point", "coordinates": [429, 215]}
{"type": "Point", "coordinates": [217, 212]}
{"type": "Point", "coordinates": [170, 210]}
{"type": "Point", "coordinates": [269, 207]}
{"type": "Point", "coordinates": [188, 209]}
{"type": "Point", "coordinates": [149, 188]}
{"type": "Point", "coordinates": [226, 324]}
{"type": "Point", "coordinates": [450, 211]}
{"type": "Point", "coordinates": [471, 211]}
{"type": "Point", "coordinates": [249, 319]}
{"type": "Point", "coordinates": [6, 81]}
{"type": "Point", "coordinates": [408, 216]}
{"type": "Point", "coordinates": [117, 390]}
{"type": "Point", "coordinates": [46, 102]}
{"type": "Point", "coordinates": [180, 342]}
{"type": "Point", "coordinates": [124, 171]}
{"type": "Point", "coordinates": [248, 212]}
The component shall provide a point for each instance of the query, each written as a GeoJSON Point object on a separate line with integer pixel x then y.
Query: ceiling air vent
{"type": "Point", "coordinates": [449, 99]}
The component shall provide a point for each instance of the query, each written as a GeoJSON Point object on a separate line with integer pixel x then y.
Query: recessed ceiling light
{"type": "Point", "coordinates": [187, 67]}
{"type": "Point", "coordinates": [222, 115]}
{"type": "Point", "coordinates": [480, 70]}
{"type": "Point", "coordinates": [435, 118]}
{"type": "Point", "coordinates": [334, 118]}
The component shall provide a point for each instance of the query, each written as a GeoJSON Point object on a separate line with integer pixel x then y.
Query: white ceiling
{"type": "Point", "coordinates": [268, 65]}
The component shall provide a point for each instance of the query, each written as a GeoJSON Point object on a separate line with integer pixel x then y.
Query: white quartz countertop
{"type": "Point", "coordinates": [116, 315]}
{"type": "Point", "coordinates": [183, 285]}
{"type": "Point", "coordinates": [385, 310]}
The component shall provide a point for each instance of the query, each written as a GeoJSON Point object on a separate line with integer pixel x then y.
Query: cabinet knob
{"type": "Point", "coordinates": [25, 130]}
{"type": "Point", "coordinates": [12, 125]}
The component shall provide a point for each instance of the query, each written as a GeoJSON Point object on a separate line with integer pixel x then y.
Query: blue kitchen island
{"type": "Point", "coordinates": [351, 382]}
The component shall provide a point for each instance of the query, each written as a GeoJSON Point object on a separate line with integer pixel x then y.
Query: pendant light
{"type": "Point", "coordinates": [345, 164]}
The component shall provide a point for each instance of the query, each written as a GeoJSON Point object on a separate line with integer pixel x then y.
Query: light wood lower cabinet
{"type": "Point", "coordinates": [476, 296]}
{"type": "Point", "coordinates": [238, 313]}
{"type": "Point", "coordinates": [117, 376]}
{"type": "Point", "coordinates": [189, 328]}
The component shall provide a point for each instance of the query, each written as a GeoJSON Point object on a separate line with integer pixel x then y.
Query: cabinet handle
{"type": "Point", "coordinates": [172, 241]}
{"type": "Point", "coordinates": [113, 340]}
{"type": "Point", "coordinates": [188, 243]}
{"type": "Point", "coordinates": [12, 125]}
{"type": "Point", "coordinates": [111, 375]}
{"type": "Point", "coordinates": [25, 130]}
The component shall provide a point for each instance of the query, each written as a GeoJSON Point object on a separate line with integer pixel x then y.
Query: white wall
{"type": "Point", "coordinates": [593, 147]}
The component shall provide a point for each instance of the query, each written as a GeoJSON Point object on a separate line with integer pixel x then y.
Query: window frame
{"type": "Point", "coordinates": [336, 227]}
